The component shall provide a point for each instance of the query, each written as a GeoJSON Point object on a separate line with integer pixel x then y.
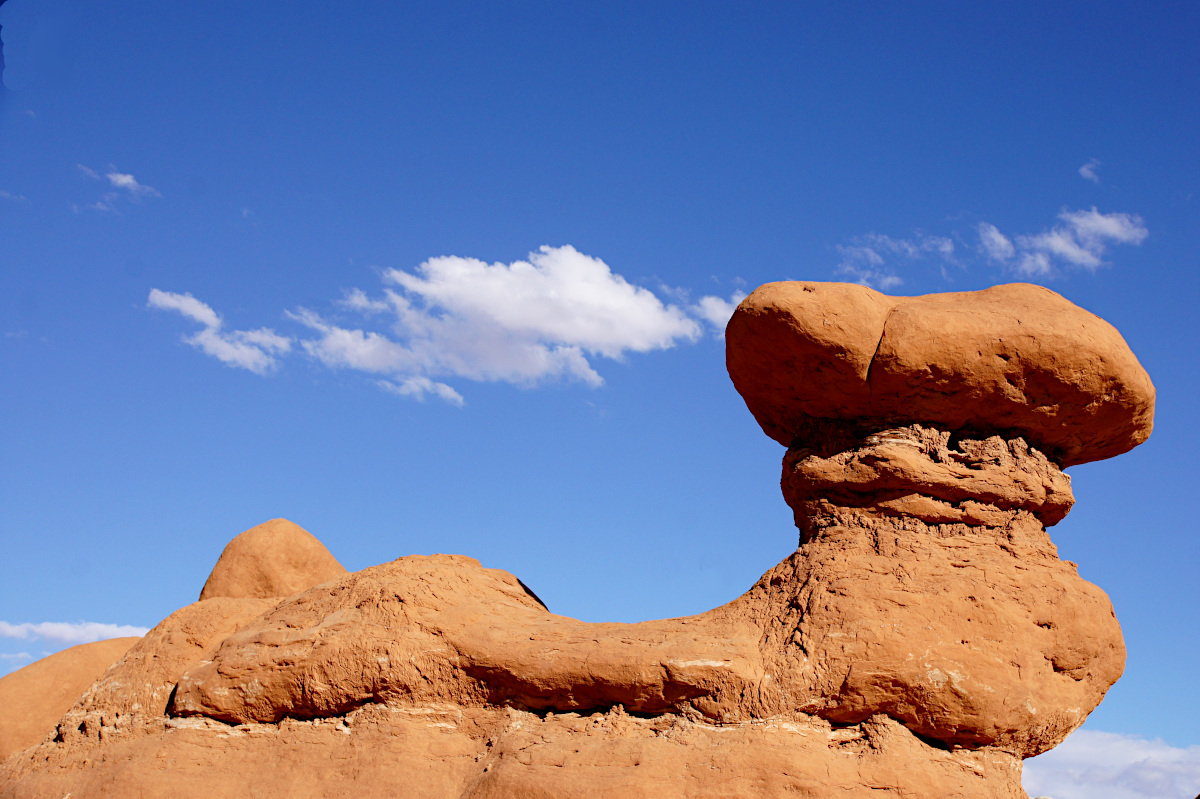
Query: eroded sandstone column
{"type": "Point", "coordinates": [926, 439]}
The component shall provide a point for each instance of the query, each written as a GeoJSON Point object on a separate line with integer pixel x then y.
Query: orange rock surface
{"type": "Point", "coordinates": [276, 558]}
{"type": "Point", "coordinates": [921, 641]}
{"type": "Point", "coordinates": [1015, 358]}
{"type": "Point", "coordinates": [34, 698]}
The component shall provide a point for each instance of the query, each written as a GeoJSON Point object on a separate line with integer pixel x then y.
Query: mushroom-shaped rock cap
{"type": "Point", "coordinates": [275, 559]}
{"type": "Point", "coordinates": [1016, 358]}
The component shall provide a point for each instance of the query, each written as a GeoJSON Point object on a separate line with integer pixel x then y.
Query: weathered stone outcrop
{"type": "Point", "coordinates": [1016, 358]}
{"type": "Point", "coordinates": [921, 641]}
{"type": "Point", "coordinates": [275, 559]}
{"type": "Point", "coordinates": [34, 698]}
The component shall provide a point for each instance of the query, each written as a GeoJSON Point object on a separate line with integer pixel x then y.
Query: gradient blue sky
{"type": "Point", "coordinates": [271, 158]}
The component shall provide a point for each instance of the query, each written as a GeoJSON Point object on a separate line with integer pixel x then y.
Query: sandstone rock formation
{"type": "Point", "coordinates": [923, 639]}
{"type": "Point", "coordinates": [276, 558]}
{"type": "Point", "coordinates": [34, 698]}
{"type": "Point", "coordinates": [1016, 358]}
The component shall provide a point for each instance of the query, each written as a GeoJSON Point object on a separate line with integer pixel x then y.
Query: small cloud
{"type": "Point", "coordinates": [717, 311]}
{"type": "Point", "coordinates": [418, 387]}
{"type": "Point", "coordinates": [246, 213]}
{"type": "Point", "coordinates": [868, 259]}
{"type": "Point", "coordinates": [1080, 241]}
{"type": "Point", "coordinates": [995, 244]}
{"type": "Point", "coordinates": [130, 184]}
{"type": "Point", "coordinates": [357, 300]}
{"type": "Point", "coordinates": [1088, 171]}
{"type": "Point", "coordinates": [122, 182]}
{"type": "Point", "coordinates": [255, 350]}
{"type": "Point", "coordinates": [83, 632]}
{"type": "Point", "coordinates": [16, 198]}
{"type": "Point", "coordinates": [1105, 765]}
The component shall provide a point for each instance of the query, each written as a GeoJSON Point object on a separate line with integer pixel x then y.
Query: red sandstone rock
{"type": "Point", "coordinates": [1010, 359]}
{"type": "Point", "coordinates": [32, 699]}
{"type": "Point", "coordinates": [275, 559]}
{"type": "Point", "coordinates": [922, 640]}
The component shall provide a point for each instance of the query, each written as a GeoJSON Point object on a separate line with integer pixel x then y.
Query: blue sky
{"type": "Point", "coordinates": [274, 259]}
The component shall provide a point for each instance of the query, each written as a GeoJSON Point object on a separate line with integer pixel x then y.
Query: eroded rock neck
{"type": "Point", "coordinates": [922, 473]}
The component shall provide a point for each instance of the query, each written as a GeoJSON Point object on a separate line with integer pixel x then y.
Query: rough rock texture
{"type": "Point", "coordinates": [277, 558]}
{"type": "Point", "coordinates": [1016, 358]}
{"type": "Point", "coordinates": [923, 639]}
{"type": "Point", "coordinates": [32, 699]}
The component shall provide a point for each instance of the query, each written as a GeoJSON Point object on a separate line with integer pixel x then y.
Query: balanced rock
{"type": "Point", "coordinates": [34, 698]}
{"type": "Point", "coordinates": [922, 640]}
{"type": "Point", "coordinates": [275, 559]}
{"type": "Point", "coordinates": [1010, 359]}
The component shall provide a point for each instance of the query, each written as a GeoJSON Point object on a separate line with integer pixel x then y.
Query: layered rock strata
{"type": "Point", "coordinates": [921, 641]}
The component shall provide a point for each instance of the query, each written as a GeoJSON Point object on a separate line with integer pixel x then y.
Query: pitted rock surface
{"type": "Point", "coordinates": [33, 699]}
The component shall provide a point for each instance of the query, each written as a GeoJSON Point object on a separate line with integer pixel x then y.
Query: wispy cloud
{"type": "Point", "coordinates": [1079, 241]}
{"type": "Point", "coordinates": [526, 322]}
{"type": "Point", "coordinates": [255, 350]}
{"type": "Point", "coordinates": [15, 198]}
{"type": "Point", "coordinates": [872, 259]}
{"type": "Point", "coordinates": [121, 182]}
{"type": "Point", "coordinates": [1088, 171]}
{"type": "Point", "coordinates": [419, 387]}
{"type": "Point", "coordinates": [996, 246]}
{"type": "Point", "coordinates": [82, 632]}
{"type": "Point", "coordinates": [129, 183]}
{"type": "Point", "coordinates": [1104, 765]}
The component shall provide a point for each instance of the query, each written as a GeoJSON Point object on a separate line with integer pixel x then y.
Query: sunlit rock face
{"type": "Point", "coordinates": [921, 641]}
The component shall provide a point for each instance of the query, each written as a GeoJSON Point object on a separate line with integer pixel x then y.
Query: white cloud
{"type": "Point", "coordinates": [187, 305]}
{"type": "Point", "coordinates": [560, 295]}
{"type": "Point", "coordinates": [1104, 765]}
{"type": "Point", "coordinates": [16, 198]}
{"type": "Point", "coordinates": [1088, 171]}
{"type": "Point", "coordinates": [717, 311]}
{"type": "Point", "coordinates": [1080, 241]}
{"type": "Point", "coordinates": [255, 350]}
{"type": "Point", "coordinates": [122, 181]}
{"type": "Point", "coordinates": [867, 259]}
{"type": "Point", "coordinates": [995, 244]}
{"type": "Point", "coordinates": [69, 633]}
{"type": "Point", "coordinates": [129, 183]}
{"type": "Point", "coordinates": [522, 323]}
{"type": "Point", "coordinates": [525, 323]}
{"type": "Point", "coordinates": [418, 387]}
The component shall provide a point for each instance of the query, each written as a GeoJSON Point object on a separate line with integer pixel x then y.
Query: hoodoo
{"type": "Point", "coordinates": [922, 640]}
